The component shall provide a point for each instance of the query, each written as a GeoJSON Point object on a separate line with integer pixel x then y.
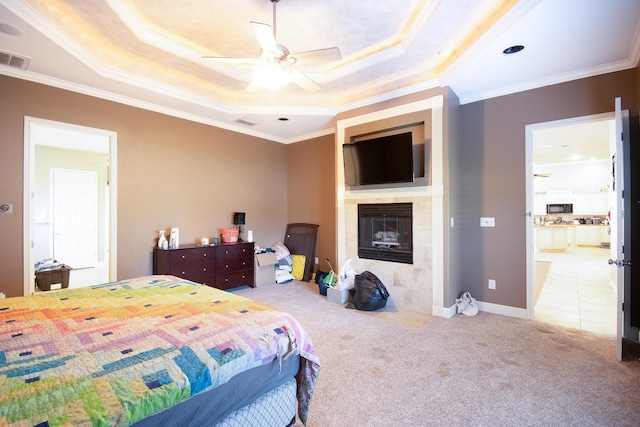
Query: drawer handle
{"type": "Point", "coordinates": [183, 256]}
{"type": "Point", "coordinates": [183, 273]}
{"type": "Point", "coordinates": [226, 252]}
{"type": "Point", "coordinates": [244, 263]}
{"type": "Point", "coordinates": [244, 277]}
{"type": "Point", "coordinates": [204, 269]}
{"type": "Point", "coordinates": [226, 279]}
{"type": "Point", "coordinates": [226, 266]}
{"type": "Point", "coordinates": [204, 254]}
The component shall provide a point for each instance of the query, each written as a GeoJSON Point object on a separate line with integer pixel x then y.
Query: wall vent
{"type": "Point", "coordinates": [13, 60]}
{"type": "Point", "coordinates": [245, 122]}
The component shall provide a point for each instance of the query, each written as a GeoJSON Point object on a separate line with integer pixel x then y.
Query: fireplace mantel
{"type": "Point", "coordinates": [416, 287]}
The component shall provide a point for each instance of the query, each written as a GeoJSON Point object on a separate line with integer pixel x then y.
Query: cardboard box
{"type": "Point", "coordinates": [337, 296]}
{"type": "Point", "coordinates": [265, 273]}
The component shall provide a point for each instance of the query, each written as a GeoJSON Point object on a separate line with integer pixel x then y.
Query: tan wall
{"type": "Point", "coordinates": [171, 173]}
{"type": "Point", "coordinates": [492, 183]}
{"type": "Point", "coordinates": [312, 191]}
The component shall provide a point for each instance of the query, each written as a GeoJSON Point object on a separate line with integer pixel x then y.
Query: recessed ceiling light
{"type": "Point", "coordinates": [283, 119]}
{"type": "Point", "coordinates": [513, 49]}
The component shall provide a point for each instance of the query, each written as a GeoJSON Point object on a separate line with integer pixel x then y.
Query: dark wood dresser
{"type": "Point", "coordinates": [224, 266]}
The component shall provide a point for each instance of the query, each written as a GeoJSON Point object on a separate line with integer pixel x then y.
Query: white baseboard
{"type": "Point", "coordinates": [449, 312]}
{"type": "Point", "coordinates": [446, 312]}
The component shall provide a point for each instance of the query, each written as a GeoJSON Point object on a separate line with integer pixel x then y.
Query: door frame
{"type": "Point", "coordinates": [530, 252]}
{"type": "Point", "coordinates": [29, 181]}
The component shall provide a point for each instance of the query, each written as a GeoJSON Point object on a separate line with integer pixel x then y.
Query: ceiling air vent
{"type": "Point", "coordinates": [13, 60]}
{"type": "Point", "coordinates": [245, 122]}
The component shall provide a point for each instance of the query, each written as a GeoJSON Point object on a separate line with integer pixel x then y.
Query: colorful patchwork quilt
{"type": "Point", "coordinates": [112, 354]}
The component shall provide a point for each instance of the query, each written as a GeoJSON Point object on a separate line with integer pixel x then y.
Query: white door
{"type": "Point", "coordinates": [619, 231]}
{"type": "Point", "coordinates": [75, 217]}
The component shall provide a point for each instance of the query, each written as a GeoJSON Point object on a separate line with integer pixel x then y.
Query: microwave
{"type": "Point", "coordinates": [559, 208]}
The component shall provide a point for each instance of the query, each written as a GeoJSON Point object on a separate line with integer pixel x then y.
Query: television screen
{"type": "Point", "coordinates": [384, 160]}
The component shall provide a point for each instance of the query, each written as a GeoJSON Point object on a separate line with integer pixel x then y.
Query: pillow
{"type": "Point", "coordinates": [283, 277]}
{"type": "Point", "coordinates": [280, 250]}
{"type": "Point", "coordinates": [297, 266]}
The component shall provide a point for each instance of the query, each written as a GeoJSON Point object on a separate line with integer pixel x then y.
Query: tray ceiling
{"type": "Point", "coordinates": [149, 53]}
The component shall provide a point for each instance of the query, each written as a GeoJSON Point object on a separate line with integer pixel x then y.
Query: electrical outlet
{"type": "Point", "coordinates": [492, 284]}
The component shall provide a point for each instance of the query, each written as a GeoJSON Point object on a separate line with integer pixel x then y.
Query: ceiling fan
{"type": "Point", "coordinates": [275, 63]}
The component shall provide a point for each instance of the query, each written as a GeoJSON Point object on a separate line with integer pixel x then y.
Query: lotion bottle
{"type": "Point", "coordinates": [162, 241]}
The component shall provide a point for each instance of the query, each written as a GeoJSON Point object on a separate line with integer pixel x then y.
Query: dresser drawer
{"type": "Point", "coordinates": [238, 250]}
{"type": "Point", "coordinates": [192, 256]}
{"type": "Point", "coordinates": [203, 274]}
{"type": "Point", "coordinates": [236, 264]}
{"type": "Point", "coordinates": [234, 279]}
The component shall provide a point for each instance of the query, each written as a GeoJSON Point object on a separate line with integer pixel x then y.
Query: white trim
{"type": "Point", "coordinates": [504, 310]}
{"type": "Point", "coordinates": [547, 81]}
{"type": "Point", "coordinates": [530, 130]}
{"type": "Point", "coordinates": [487, 307]}
{"type": "Point", "coordinates": [446, 312]}
{"type": "Point", "coordinates": [29, 179]}
{"type": "Point", "coordinates": [435, 105]}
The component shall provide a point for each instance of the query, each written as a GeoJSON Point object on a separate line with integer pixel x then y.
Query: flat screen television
{"type": "Point", "coordinates": [384, 160]}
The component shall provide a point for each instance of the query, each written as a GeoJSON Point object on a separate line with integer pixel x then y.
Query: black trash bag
{"type": "Point", "coordinates": [370, 293]}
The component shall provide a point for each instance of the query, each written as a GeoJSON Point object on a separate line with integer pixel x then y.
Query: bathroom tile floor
{"type": "Point", "coordinates": [578, 292]}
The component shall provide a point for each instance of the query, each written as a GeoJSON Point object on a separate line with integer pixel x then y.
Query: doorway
{"type": "Point", "coordinates": [70, 170]}
{"type": "Point", "coordinates": [570, 282]}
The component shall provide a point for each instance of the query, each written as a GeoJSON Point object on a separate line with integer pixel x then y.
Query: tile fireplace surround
{"type": "Point", "coordinates": [417, 287]}
{"type": "Point", "coordinates": [409, 284]}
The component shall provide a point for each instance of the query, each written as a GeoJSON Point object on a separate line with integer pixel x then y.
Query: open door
{"type": "Point", "coordinates": [620, 224]}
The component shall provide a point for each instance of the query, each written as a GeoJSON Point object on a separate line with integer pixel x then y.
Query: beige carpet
{"type": "Point", "coordinates": [487, 370]}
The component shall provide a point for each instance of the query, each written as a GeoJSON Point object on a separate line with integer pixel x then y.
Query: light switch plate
{"type": "Point", "coordinates": [487, 222]}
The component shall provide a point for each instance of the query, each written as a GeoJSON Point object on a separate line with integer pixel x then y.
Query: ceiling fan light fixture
{"type": "Point", "coordinates": [271, 75]}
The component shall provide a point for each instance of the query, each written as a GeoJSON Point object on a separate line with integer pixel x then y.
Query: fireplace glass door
{"type": "Point", "coordinates": [385, 232]}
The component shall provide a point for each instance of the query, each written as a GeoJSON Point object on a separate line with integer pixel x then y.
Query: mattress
{"type": "Point", "coordinates": [117, 353]}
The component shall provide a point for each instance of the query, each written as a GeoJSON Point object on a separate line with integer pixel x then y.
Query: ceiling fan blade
{"type": "Point", "coordinates": [265, 37]}
{"type": "Point", "coordinates": [303, 81]}
{"type": "Point", "coordinates": [330, 54]}
{"type": "Point", "coordinates": [231, 60]}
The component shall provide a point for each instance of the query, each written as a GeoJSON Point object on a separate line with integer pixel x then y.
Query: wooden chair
{"type": "Point", "coordinates": [301, 239]}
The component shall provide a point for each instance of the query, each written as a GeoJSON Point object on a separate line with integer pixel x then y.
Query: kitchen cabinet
{"type": "Point", "coordinates": [605, 234]}
{"type": "Point", "coordinates": [552, 238]}
{"type": "Point", "coordinates": [559, 196]}
{"type": "Point", "coordinates": [591, 203]}
{"type": "Point", "coordinates": [588, 235]}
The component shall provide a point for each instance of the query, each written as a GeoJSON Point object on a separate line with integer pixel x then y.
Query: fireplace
{"type": "Point", "coordinates": [385, 232]}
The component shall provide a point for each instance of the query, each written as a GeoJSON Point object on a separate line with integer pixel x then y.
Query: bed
{"type": "Point", "coordinates": [152, 351]}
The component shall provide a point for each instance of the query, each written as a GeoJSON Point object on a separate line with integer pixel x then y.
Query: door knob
{"type": "Point", "coordinates": [620, 262]}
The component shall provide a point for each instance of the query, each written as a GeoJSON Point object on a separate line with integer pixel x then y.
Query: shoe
{"type": "Point", "coordinates": [469, 305]}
